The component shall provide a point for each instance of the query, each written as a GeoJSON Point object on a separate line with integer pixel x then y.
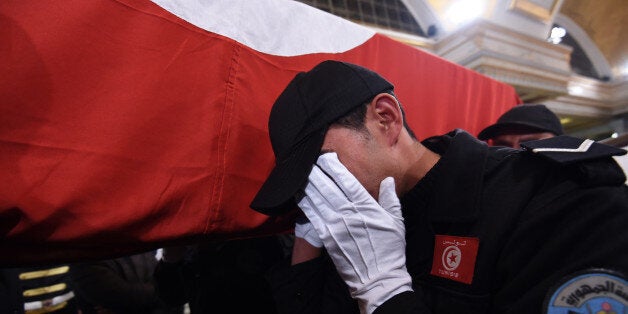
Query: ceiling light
{"type": "Point", "coordinates": [575, 90]}
{"type": "Point", "coordinates": [624, 69]}
{"type": "Point", "coordinates": [464, 11]}
{"type": "Point", "coordinates": [557, 34]}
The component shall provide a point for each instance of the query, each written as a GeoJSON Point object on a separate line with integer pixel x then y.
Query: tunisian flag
{"type": "Point", "coordinates": [128, 124]}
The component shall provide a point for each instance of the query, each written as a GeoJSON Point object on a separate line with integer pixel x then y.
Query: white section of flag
{"type": "Point", "coordinates": [276, 27]}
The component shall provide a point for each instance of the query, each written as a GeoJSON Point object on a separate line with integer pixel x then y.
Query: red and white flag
{"type": "Point", "coordinates": [126, 124]}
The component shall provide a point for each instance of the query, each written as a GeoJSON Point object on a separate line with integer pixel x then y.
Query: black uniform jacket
{"type": "Point", "coordinates": [536, 219]}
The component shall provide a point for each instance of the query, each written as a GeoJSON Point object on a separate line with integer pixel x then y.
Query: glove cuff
{"type": "Point", "coordinates": [380, 289]}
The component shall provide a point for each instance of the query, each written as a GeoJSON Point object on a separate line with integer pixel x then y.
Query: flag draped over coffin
{"type": "Point", "coordinates": [126, 124]}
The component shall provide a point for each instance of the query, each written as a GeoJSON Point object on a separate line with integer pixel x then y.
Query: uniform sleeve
{"type": "Point", "coordinates": [312, 287]}
{"type": "Point", "coordinates": [173, 282]}
{"type": "Point", "coordinates": [101, 285]}
{"type": "Point", "coordinates": [403, 303]}
{"type": "Point", "coordinates": [564, 231]}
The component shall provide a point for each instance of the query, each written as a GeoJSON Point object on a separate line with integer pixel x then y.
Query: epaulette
{"type": "Point", "coordinates": [567, 150]}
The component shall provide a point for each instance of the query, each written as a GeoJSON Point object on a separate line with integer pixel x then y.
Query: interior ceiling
{"type": "Point", "coordinates": [604, 21]}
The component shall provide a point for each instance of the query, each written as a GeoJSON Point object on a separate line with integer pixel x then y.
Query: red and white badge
{"type": "Point", "coordinates": [454, 257]}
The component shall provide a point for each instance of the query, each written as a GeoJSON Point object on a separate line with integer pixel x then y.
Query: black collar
{"type": "Point", "coordinates": [451, 190]}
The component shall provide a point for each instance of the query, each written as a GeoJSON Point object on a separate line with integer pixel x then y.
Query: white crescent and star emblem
{"type": "Point", "coordinates": [451, 257]}
{"type": "Point", "coordinates": [454, 257]}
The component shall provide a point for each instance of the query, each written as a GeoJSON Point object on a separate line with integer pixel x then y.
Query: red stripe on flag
{"type": "Point", "coordinates": [123, 127]}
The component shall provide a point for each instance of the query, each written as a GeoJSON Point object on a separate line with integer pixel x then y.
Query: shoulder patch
{"type": "Point", "coordinates": [566, 149]}
{"type": "Point", "coordinates": [598, 291]}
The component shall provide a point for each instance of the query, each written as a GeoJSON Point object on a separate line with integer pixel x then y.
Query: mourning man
{"type": "Point", "coordinates": [522, 123]}
{"type": "Point", "coordinates": [476, 229]}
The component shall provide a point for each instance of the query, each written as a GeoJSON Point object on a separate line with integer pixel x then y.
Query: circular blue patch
{"type": "Point", "coordinates": [594, 291]}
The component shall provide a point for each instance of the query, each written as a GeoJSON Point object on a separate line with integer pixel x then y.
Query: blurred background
{"type": "Point", "coordinates": [567, 54]}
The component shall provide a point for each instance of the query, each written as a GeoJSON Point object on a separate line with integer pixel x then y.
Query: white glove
{"type": "Point", "coordinates": [304, 229]}
{"type": "Point", "coordinates": [365, 239]}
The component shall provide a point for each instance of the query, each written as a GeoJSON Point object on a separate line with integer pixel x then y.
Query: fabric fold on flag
{"type": "Point", "coordinates": [125, 126]}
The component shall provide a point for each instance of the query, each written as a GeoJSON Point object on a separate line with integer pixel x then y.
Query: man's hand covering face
{"type": "Point", "coordinates": [364, 238]}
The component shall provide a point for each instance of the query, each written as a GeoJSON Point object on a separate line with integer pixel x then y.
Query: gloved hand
{"type": "Point", "coordinates": [364, 238]}
{"type": "Point", "coordinates": [304, 229]}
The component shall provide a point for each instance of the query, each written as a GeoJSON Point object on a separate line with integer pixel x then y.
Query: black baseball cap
{"type": "Point", "coordinates": [299, 120]}
{"type": "Point", "coordinates": [524, 118]}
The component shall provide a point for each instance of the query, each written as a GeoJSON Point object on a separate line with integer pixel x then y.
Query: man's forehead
{"type": "Point", "coordinates": [517, 131]}
{"type": "Point", "coordinates": [515, 139]}
{"type": "Point", "coordinates": [524, 135]}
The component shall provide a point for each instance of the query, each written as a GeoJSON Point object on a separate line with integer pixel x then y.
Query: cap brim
{"type": "Point", "coordinates": [501, 128]}
{"type": "Point", "coordinates": [276, 196]}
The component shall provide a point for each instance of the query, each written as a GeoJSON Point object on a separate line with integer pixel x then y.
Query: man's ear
{"type": "Point", "coordinates": [386, 114]}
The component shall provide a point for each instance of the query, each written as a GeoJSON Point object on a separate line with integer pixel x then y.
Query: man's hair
{"type": "Point", "coordinates": [354, 119]}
